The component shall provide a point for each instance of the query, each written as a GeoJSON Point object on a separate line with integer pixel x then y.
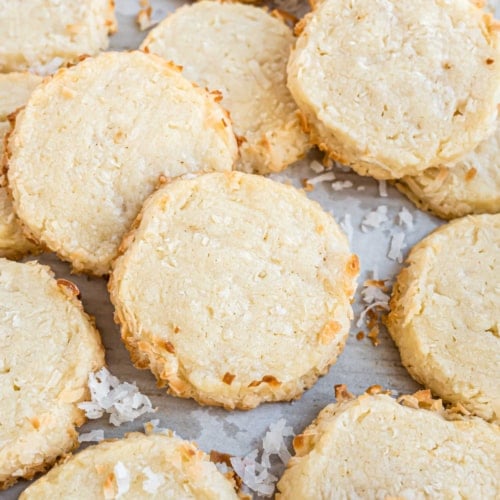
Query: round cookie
{"type": "Point", "coordinates": [93, 142]}
{"type": "Point", "coordinates": [15, 89]}
{"type": "Point", "coordinates": [34, 32]}
{"type": "Point", "coordinates": [373, 447]}
{"type": "Point", "coordinates": [241, 51]}
{"type": "Point", "coordinates": [138, 466]}
{"type": "Point", "coordinates": [391, 88]}
{"type": "Point", "coordinates": [234, 290]}
{"type": "Point", "coordinates": [48, 347]}
{"type": "Point", "coordinates": [445, 313]}
{"type": "Point", "coordinates": [472, 186]}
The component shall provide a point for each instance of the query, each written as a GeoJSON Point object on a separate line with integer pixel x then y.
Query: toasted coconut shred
{"type": "Point", "coordinates": [121, 400]}
{"type": "Point", "coordinates": [376, 297]}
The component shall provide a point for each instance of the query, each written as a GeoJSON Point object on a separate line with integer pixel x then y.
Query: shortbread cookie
{"type": "Point", "coordinates": [138, 466]}
{"type": "Point", "coordinates": [34, 32]}
{"type": "Point", "coordinates": [48, 347]}
{"type": "Point", "coordinates": [93, 142]}
{"type": "Point", "coordinates": [15, 88]}
{"type": "Point", "coordinates": [373, 447]}
{"type": "Point", "coordinates": [241, 51]}
{"type": "Point", "coordinates": [445, 313]}
{"type": "Point", "coordinates": [472, 186]}
{"type": "Point", "coordinates": [234, 290]}
{"type": "Point", "coordinates": [392, 88]}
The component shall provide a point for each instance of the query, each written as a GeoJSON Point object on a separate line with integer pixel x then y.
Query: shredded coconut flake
{"type": "Point", "coordinates": [122, 478]}
{"type": "Point", "coordinates": [346, 226]}
{"type": "Point", "coordinates": [327, 176]}
{"type": "Point", "coordinates": [405, 218]}
{"type": "Point", "coordinates": [122, 401]}
{"type": "Point", "coordinates": [257, 474]}
{"type": "Point", "coordinates": [153, 480]}
{"type": "Point", "coordinates": [374, 219]}
{"type": "Point", "coordinates": [95, 435]}
{"type": "Point", "coordinates": [381, 304]}
{"type": "Point", "coordinates": [48, 68]}
{"type": "Point", "coordinates": [371, 294]}
{"type": "Point", "coordinates": [316, 167]}
{"type": "Point", "coordinates": [374, 294]}
{"type": "Point", "coordinates": [153, 426]}
{"type": "Point", "coordinates": [396, 247]}
{"type": "Point", "coordinates": [382, 189]}
{"type": "Point", "coordinates": [340, 185]}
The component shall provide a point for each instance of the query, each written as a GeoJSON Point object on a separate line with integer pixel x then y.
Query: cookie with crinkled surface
{"type": "Point", "coordinates": [472, 186]}
{"type": "Point", "coordinates": [15, 89]}
{"type": "Point", "coordinates": [234, 289]}
{"type": "Point", "coordinates": [241, 51]}
{"type": "Point", "coordinates": [94, 141]}
{"type": "Point", "coordinates": [34, 32]}
{"type": "Point", "coordinates": [138, 466]}
{"type": "Point", "coordinates": [445, 313]}
{"type": "Point", "coordinates": [373, 447]}
{"type": "Point", "coordinates": [48, 348]}
{"type": "Point", "coordinates": [392, 88]}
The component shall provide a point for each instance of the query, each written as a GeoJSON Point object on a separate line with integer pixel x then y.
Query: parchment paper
{"type": "Point", "coordinates": [360, 365]}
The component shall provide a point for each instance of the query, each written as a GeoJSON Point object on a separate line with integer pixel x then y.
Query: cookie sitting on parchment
{"type": "Point", "coordinates": [391, 88]}
{"type": "Point", "coordinates": [471, 186]}
{"type": "Point", "coordinates": [138, 466]}
{"type": "Point", "coordinates": [95, 140]}
{"type": "Point", "coordinates": [48, 348]}
{"type": "Point", "coordinates": [34, 32]}
{"type": "Point", "coordinates": [445, 313]}
{"type": "Point", "coordinates": [241, 51]}
{"type": "Point", "coordinates": [234, 289]}
{"type": "Point", "coordinates": [374, 447]}
{"type": "Point", "coordinates": [15, 89]}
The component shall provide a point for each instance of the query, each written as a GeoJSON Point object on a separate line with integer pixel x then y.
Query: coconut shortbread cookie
{"type": "Point", "coordinates": [373, 447]}
{"type": "Point", "coordinates": [471, 186]}
{"type": "Point", "coordinates": [234, 290]}
{"type": "Point", "coordinates": [138, 466]}
{"type": "Point", "coordinates": [15, 88]}
{"type": "Point", "coordinates": [241, 51]}
{"type": "Point", "coordinates": [93, 142]}
{"type": "Point", "coordinates": [48, 348]}
{"type": "Point", "coordinates": [392, 88]}
{"type": "Point", "coordinates": [445, 313]}
{"type": "Point", "coordinates": [34, 32]}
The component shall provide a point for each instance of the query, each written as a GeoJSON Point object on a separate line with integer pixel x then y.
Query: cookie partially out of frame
{"type": "Point", "coordinates": [445, 313]}
{"type": "Point", "coordinates": [392, 88]}
{"type": "Point", "coordinates": [138, 466]}
{"type": "Point", "coordinates": [241, 51]}
{"type": "Point", "coordinates": [234, 289]}
{"type": "Point", "coordinates": [34, 32]}
{"type": "Point", "coordinates": [472, 186]}
{"type": "Point", "coordinates": [373, 447]}
{"type": "Point", "coordinates": [15, 88]}
{"type": "Point", "coordinates": [48, 348]}
{"type": "Point", "coordinates": [94, 141]}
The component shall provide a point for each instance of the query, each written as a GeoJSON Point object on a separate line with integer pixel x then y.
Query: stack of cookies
{"type": "Point", "coordinates": [234, 289]}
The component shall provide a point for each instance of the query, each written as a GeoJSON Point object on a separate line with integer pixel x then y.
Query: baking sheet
{"type": "Point", "coordinates": [361, 363]}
